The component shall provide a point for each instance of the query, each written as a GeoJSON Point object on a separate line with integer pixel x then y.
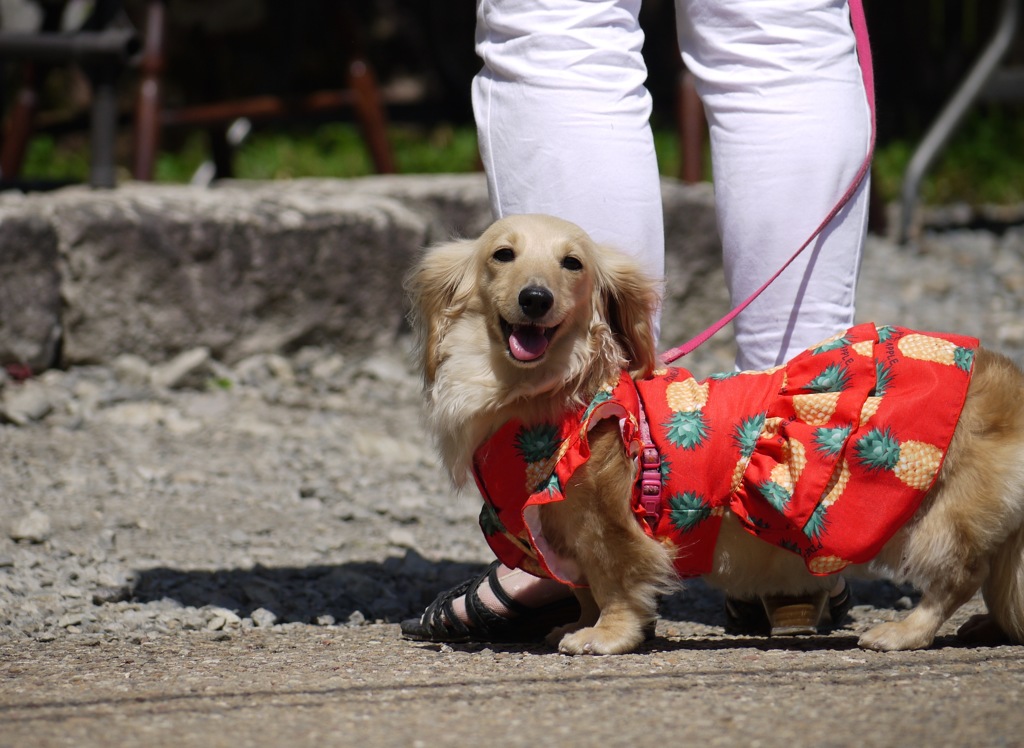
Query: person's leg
{"type": "Point", "coordinates": [563, 119]}
{"type": "Point", "coordinates": [563, 124]}
{"type": "Point", "coordinates": [789, 127]}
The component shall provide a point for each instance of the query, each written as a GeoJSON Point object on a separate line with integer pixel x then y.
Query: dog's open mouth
{"type": "Point", "coordinates": [527, 342]}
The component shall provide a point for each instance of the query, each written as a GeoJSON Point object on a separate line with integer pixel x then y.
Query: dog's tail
{"type": "Point", "coordinates": [1004, 588]}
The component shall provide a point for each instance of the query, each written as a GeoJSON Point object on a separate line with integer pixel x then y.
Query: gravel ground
{"type": "Point", "coordinates": [192, 553]}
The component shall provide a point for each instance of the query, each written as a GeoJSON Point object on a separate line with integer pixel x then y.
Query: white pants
{"type": "Point", "coordinates": [563, 121]}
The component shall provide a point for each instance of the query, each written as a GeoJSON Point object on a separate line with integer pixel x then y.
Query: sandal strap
{"type": "Point", "coordinates": [439, 617]}
{"type": "Point", "coordinates": [482, 617]}
{"type": "Point", "coordinates": [501, 594]}
{"type": "Point", "coordinates": [439, 623]}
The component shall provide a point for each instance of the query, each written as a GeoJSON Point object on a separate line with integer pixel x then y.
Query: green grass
{"type": "Point", "coordinates": [47, 158]}
{"type": "Point", "coordinates": [335, 150]}
{"type": "Point", "coordinates": [983, 164]}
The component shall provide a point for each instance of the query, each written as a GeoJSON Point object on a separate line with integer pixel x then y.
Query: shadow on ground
{"type": "Point", "coordinates": [397, 588]}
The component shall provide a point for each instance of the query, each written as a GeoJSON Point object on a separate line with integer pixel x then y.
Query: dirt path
{"type": "Point", "coordinates": [366, 687]}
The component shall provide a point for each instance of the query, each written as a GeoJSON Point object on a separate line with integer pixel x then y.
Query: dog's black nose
{"type": "Point", "coordinates": [535, 301]}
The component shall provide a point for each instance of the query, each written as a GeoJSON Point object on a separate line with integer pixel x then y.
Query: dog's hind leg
{"type": "Point", "coordinates": [941, 552]}
{"type": "Point", "coordinates": [1003, 590]}
{"type": "Point", "coordinates": [918, 629]}
{"type": "Point", "coordinates": [968, 533]}
{"type": "Point", "coordinates": [624, 568]}
{"type": "Point", "coordinates": [1004, 595]}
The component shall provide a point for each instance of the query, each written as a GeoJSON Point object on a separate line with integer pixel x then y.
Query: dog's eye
{"type": "Point", "coordinates": [572, 263]}
{"type": "Point", "coordinates": [505, 254]}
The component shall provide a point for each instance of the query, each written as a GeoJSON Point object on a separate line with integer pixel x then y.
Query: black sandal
{"type": "Point", "coordinates": [440, 624]}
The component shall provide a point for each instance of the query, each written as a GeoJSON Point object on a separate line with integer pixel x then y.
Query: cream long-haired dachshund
{"type": "Point", "coordinates": [533, 326]}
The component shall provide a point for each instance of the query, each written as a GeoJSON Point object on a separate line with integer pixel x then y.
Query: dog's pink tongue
{"type": "Point", "coordinates": [527, 343]}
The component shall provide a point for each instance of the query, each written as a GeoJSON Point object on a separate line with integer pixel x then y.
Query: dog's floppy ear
{"type": "Point", "coordinates": [630, 300]}
{"type": "Point", "coordinates": [439, 286]}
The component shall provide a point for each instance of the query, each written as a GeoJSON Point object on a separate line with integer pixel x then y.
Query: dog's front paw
{"type": "Point", "coordinates": [598, 640]}
{"type": "Point", "coordinates": [558, 633]}
{"type": "Point", "coordinates": [894, 637]}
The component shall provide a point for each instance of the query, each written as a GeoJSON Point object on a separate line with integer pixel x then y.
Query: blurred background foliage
{"type": "Point", "coordinates": [422, 53]}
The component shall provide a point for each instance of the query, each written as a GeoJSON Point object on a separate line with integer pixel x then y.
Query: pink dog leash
{"type": "Point", "coordinates": [860, 31]}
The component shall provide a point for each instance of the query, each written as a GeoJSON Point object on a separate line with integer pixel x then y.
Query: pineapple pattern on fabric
{"type": "Point", "coordinates": [913, 462]}
{"type": "Point", "coordinates": [687, 510]}
{"type": "Point", "coordinates": [826, 456]}
{"type": "Point", "coordinates": [489, 521]}
{"type": "Point", "coordinates": [526, 465]}
{"type": "Point", "coordinates": [687, 427]}
{"type": "Point", "coordinates": [835, 342]}
{"type": "Point", "coordinates": [817, 406]}
{"type": "Point", "coordinates": [817, 525]}
{"type": "Point", "coordinates": [929, 348]}
{"type": "Point", "coordinates": [745, 437]}
{"type": "Point", "coordinates": [537, 446]}
{"type": "Point", "coordinates": [883, 374]}
{"type": "Point", "coordinates": [830, 441]}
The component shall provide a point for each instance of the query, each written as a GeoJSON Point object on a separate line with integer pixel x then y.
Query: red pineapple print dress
{"type": "Point", "coordinates": [826, 456]}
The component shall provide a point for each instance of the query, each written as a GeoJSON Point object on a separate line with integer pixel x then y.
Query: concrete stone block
{"type": "Point", "coordinates": [266, 267]}
{"type": "Point", "coordinates": [30, 303]}
{"type": "Point", "coordinates": [154, 271]}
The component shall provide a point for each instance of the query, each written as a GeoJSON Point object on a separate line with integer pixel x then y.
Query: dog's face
{"type": "Point", "coordinates": [546, 295]}
{"type": "Point", "coordinates": [532, 316]}
{"type": "Point", "coordinates": [536, 282]}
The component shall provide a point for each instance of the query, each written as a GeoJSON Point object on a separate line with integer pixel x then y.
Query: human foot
{"type": "Point", "coordinates": [789, 615]}
{"type": "Point", "coordinates": [513, 607]}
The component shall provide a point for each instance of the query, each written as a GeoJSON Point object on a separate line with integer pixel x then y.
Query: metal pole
{"type": "Point", "coordinates": [83, 46]}
{"type": "Point", "coordinates": [103, 130]}
{"type": "Point", "coordinates": [953, 113]}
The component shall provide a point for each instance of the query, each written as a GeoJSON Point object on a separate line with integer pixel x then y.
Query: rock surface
{"type": "Point", "coordinates": [244, 268]}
